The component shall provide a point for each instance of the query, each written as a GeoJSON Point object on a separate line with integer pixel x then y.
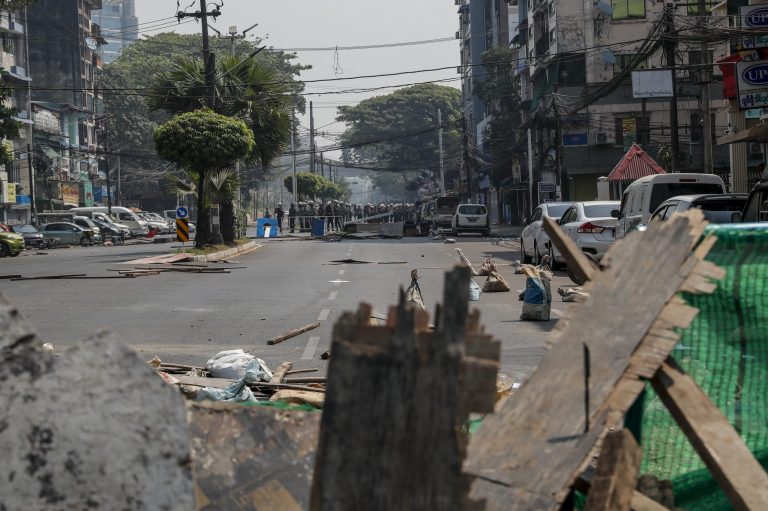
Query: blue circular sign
{"type": "Point", "coordinates": [181, 212]}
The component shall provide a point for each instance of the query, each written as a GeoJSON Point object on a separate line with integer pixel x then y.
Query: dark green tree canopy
{"type": "Point", "coordinates": [313, 185]}
{"type": "Point", "coordinates": [203, 140]}
{"type": "Point", "coordinates": [403, 127]}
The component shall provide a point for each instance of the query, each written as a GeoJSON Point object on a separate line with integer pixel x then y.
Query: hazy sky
{"type": "Point", "coordinates": [331, 23]}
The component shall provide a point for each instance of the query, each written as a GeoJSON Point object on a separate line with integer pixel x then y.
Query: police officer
{"type": "Point", "coordinates": [292, 216]}
{"type": "Point", "coordinates": [279, 213]}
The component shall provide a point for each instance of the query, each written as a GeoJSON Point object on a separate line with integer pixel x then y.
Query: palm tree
{"type": "Point", "coordinates": [248, 88]}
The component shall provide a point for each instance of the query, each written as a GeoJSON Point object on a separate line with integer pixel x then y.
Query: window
{"type": "Point", "coordinates": [599, 210]}
{"type": "Point", "coordinates": [628, 9]}
{"type": "Point", "coordinates": [693, 7]}
{"type": "Point", "coordinates": [631, 129]}
{"type": "Point", "coordinates": [556, 211]}
{"type": "Point", "coordinates": [697, 127]}
{"type": "Point", "coordinates": [623, 61]}
{"type": "Point", "coordinates": [472, 210]}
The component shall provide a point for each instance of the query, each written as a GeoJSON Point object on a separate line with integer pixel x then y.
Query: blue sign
{"type": "Point", "coordinates": [181, 212]}
{"type": "Point", "coordinates": [757, 18]}
{"type": "Point", "coordinates": [23, 199]}
{"type": "Point", "coordinates": [756, 75]}
{"type": "Point", "coordinates": [575, 139]}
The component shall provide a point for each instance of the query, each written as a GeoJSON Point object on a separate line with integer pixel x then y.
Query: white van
{"type": "Point", "coordinates": [643, 196]}
{"type": "Point", "coordinates": [121, 215]}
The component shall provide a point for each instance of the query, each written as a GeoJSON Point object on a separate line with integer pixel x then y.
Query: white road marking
{"type": "Point", "coordinates": [323, 314]}
{"type": "Point", "coordinates": [333, 295]}
{"type": "Point", "coordinates": [338, 282]}
{"type": "Point", "coordinates": [309, 351]}
{"type": "Point", "coordinates": [341, 272]}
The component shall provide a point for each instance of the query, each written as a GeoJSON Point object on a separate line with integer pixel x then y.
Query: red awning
{"type": "Point", "coordinates": [634, 165]}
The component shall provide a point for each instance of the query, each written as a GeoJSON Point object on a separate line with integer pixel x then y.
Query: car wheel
{"type": "Point", "coordinates": [486, 233]}
{"type": "Point", "coordinates": [5, 250]}
{"type": "Point", "coordinates": [83, 242]}
{"type": "Point", "coordinates": [552, 261]}
{"type": "Point", "coordinates": [524, 258]}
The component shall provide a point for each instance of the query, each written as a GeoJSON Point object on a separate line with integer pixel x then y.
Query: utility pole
{"type": "Point", "coordinates": [322, 166]}
{"type": "Point", "coordinates": [530, 172]}
{"type": "Point", "coordinates": [293, 153]}
{"type": "Point", "coordinates": [119, 192]}
{"type": "Point", "coordinates": [33, 210]}
{"type": "Point", "coordinates": [440, 144]}
{"type": "Point", "coordinates": [706, 139]}
{"type": "Point", "coordinates": [562, 179]}
{"type": "Point", "coordinates": [311, 138]}
{"type": "Point", "coordinates": [209, 59]}
{"type": "Point", "coordinates": [670, 48]}
{"type": "Point", "coordinates": [109, 185]}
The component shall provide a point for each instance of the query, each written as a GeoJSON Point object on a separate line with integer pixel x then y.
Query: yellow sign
{"type": "Point", "coordinates": [70, 193]}
{"type": "Point", "coordinates": [11, 193]}
{"type": "Point", "coordinates": [182, 229]}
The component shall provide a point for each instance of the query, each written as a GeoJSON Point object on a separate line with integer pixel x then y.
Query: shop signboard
{"type": "Point", "coordinates": [88, 194]}
{"type": "Point", "coordinates": [70, 193]}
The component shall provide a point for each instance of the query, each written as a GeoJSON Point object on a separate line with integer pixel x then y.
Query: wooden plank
{"type": "Point", "coordinates": [293, 333]}
{"type": "Point", "coordinates": [548, 457]}
{"type": "Point", "coordinates": [315, 399]}
{"type": "Point", "coordinates": [307, 379]}
{"type": "Point", "coordinates": [617, 470]}
{"type": "Point", "coordinates": [222, 383]}
{"type": "Point", "coordinates": [580, 265]}
{"type": "Point", "coordinates": [731, 463]}
{"type": "Point", "coordinates": [398, 398]}
{"type": "Point", "coordinates": [642, 503]}
{"type": "Point", "coordinates": [280, 372]}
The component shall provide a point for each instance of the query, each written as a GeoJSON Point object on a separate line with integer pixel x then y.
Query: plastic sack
{"type": "Point", "coordinates": [474, 291]}
{"type": "Point", "coordinates": [413, 293]}
{"type": "Point", "coordinates": [537, 297]}
{"type": "Point", "coordinates": [495, 283]}
{"type": "Point", "coordinates": [237, 392]}
{"type": "Point", "coordinates": [487, 267]}
{"type": "Point", "coordinates": [257, 371]}
{"type": "Point", "coordinates": [233, 364]}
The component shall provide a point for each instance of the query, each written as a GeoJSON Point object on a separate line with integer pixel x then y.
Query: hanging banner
{"type": "Point", "coordinates": [70, 193]}
{"type": "Point", "coordinates": [752, 79]}
{"type": "Point", "coordinates": [88, 194]}
{"type": "Point", "coordinates": [629, 127]}
{"type": "Point", "coordinates": [11, 193]}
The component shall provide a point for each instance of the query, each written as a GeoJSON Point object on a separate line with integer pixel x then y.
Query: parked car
{"type": "Point", "coordinates": [122, 215]}
{"type": "Point", "coordinates": [445, 208]}
{"type": "Point", "coordinates": [11, 244]}
{"type": "Point", "coordinates": [533, 239]}
{"type": "Point", "coordinates": [591, 226]}
{"type": "Point", "coordinates": [643, 196]}
{"type": "Point", "coordinates": [110, 231]}
{"type": "Point", "coordinates": [87, 223]}
{"type": "Point", "coordinates": [32, 237]}
{"type": "Point", "coordinates": [67, 233]}
{"type": "Point", "coordinates": [471, 218]}
{"type": "Point", "coordinates": [717, 208]}
{"type": "Point", "coordinates": [756, 208]}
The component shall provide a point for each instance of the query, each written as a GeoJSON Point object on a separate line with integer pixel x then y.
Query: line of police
{"type": "Point", "coordinates": [335, 213]}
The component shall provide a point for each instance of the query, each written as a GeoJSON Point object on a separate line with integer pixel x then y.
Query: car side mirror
{"type": "Point", "coordinates": [736, 217]}
{"type": "Point", "coordinates": [525, 221]}
{"type": "Point", "coordinates": [614, 213]}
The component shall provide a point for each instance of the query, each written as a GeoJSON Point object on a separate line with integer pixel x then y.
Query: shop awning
{"type": "Point", "coordinates": [757, 133]}
{"type": "Point", "coordinates": [634, 165]}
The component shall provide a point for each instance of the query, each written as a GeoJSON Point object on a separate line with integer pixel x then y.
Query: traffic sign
{"type": "Point", "coordinates": [181, 212]}
{"type": "Point", "coordinates": [182, 229]}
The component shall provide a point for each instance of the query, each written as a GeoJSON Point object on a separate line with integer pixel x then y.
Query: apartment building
{"type": "Point", "coordinates": [119, 26]}
{"type": "Point", "coordinates": [64, 58]}
{"type": "Point", "coordinates": [14, 179]}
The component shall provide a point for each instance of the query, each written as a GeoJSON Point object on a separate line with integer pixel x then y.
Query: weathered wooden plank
{"type": "Point", "coordinates": [397, 399]}
{"type": "Point", "coordinates": [721, 448]}
{"type": "Point", "coordinates": [293, 333]}
{"type": "Point", "coordinates": [580, 265]}
{"type": "Point", "coordinates": [280, 372]}
{"type": "Point", "coordinates": [617, 470]}
{"type": "Point", "coordinates": [529, 452]}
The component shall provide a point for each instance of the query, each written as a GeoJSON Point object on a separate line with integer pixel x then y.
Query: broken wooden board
{"type": "Point", "coordinates": [398, 399]}
{"type": "Point", "coordinates": [315, 399]}
{"type": "Point", "coordinates": [528, 454]}
{"type": "Point", "coordinates": [89, 428]}
{"type": "Point", "coordinates": [251, 458]}
{"type": "Point", "coordinates": [613, 486]}
{"type": "Point", "coordinates": [160, 259]}
{"type": "Point", "coordinates": [293, 333]}
{"type": "Point", "coordinates": [280, 372]}
{"type": "Point", "coordinates": [728, 459]}
{"type": "Point", "coordinates": [582, 267]}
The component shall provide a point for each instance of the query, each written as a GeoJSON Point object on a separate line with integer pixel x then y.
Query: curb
{"type": "Point", "coordinates": [224, 254]}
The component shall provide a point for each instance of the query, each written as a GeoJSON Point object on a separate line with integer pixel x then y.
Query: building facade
{"type": "Point", "coordinates": [119, 26]}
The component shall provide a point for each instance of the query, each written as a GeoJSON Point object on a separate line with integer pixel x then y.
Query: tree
{"type": "Point", "coordinates": [399, 131]}
{"type": "Point", "coordinates": [12, 5]}
{"type": "Point", "coordinates": [500, 92]}
{"type": "Point", "coordinates": [203, 141]}
{"type": "Point", "coordinates": [9, 127]}
{"type": "Point", "coordinates": [123, 81]}
{"type": "Point", "coordinates": [311, 185]}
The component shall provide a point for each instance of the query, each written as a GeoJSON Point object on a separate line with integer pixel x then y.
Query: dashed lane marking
{"type": "Point", "coordinates": [323, 314]}
{"type": "Point", "coordinates": [309, 351]}
{"type": "Point", "coordinates": [333, 295]}
{"type": "Point", "coordinates": [338, 282]}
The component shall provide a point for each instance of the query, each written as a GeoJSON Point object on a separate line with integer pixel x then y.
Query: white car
{"type": "Point", "coordinates": [591, 226]}
{"type": "Point", "coordinates": [533, 239]}
{"type": "Point", "coordinates": [471, 218]}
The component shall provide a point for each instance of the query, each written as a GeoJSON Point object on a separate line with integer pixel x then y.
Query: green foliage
{"type": "Point", "coordinates": [392, 117]}
{"type": "Point", "coordinates": [9, 127]}
{"type": "Point", "coordinates": [313, 185]}
{"type": "Point", "coordinates": [500, 92]}
{"type": "Point", "coordinates": [12, 5]}
{"type": "Point", "coordinates": [203, 140]}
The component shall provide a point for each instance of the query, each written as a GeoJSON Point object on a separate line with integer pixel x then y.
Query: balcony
{"type": "Point", "coordinates": [15, 26]}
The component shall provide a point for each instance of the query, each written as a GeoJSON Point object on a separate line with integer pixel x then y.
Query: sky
{"type": "Point", "coordinates": [288, 24]}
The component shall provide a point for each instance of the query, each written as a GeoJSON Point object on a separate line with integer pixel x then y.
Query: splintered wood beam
{"type": "Point", "coordinates": [730, 461]}
{"type": "Point", "coordinates": [293, 333]}
{"type": "Point", "coordinates": [280, 372]}
{"type": "Point", "coordinates": [613, 486]}
{"type": "Point", "coordinates": [580, 265]}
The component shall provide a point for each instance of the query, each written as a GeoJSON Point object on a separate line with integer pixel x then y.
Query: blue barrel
{"type": "Point", "coordinates": [318, 226]}
{"type": "Point", "coordinates": [262, 222]}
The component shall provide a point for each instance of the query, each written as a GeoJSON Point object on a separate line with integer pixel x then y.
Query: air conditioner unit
{"type": "Point", "coordinates": [458, 34]}
{"type": "Point", "coordinates": [601, 137]}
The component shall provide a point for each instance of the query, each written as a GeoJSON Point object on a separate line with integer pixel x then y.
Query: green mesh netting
{"type": "Point", "coordinates": [725, 351]}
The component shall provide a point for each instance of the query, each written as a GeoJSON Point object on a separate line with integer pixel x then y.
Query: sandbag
{"type": "Point", "coordinates": [474, 291]}
{"type": "Point", "coordinates": [413, 293]}
{"type": "Point", "coordinates": [495, 283]}
{"type": "Point", "coordinates": [236, 364]}
{"type": "Point", "coordinates": [537, 297]}
{"type": "Point", "coordinates": [487, 267]}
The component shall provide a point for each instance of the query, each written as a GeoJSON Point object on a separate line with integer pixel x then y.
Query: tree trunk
{"type": "Point", "coordinates": [203, 222]}
{"type": "Point", "coordinates": [228, 222]}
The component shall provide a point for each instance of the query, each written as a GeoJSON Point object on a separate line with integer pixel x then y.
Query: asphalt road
{"type": "Point", "coordinates": [187, 318]}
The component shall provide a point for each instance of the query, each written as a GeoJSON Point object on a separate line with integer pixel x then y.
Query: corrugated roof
{"type": "Point", "coordinates": [634, 165]}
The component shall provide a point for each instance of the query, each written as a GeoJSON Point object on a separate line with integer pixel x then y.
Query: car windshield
{"type": "Point", "coordinates": [557, 210]}
{"type": "Point", "coordinates": [447, 205]}
{"type": "Point", "coordinates": [599, 210]}
{"type": "Point", "coordinates": [471, 210]}
{"type": "Point", "coordinates": [663, 191]}
{"type": "Point", "coordinates": [720, 212]}
{"type": "Point", "coordinates": [24, 228]}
